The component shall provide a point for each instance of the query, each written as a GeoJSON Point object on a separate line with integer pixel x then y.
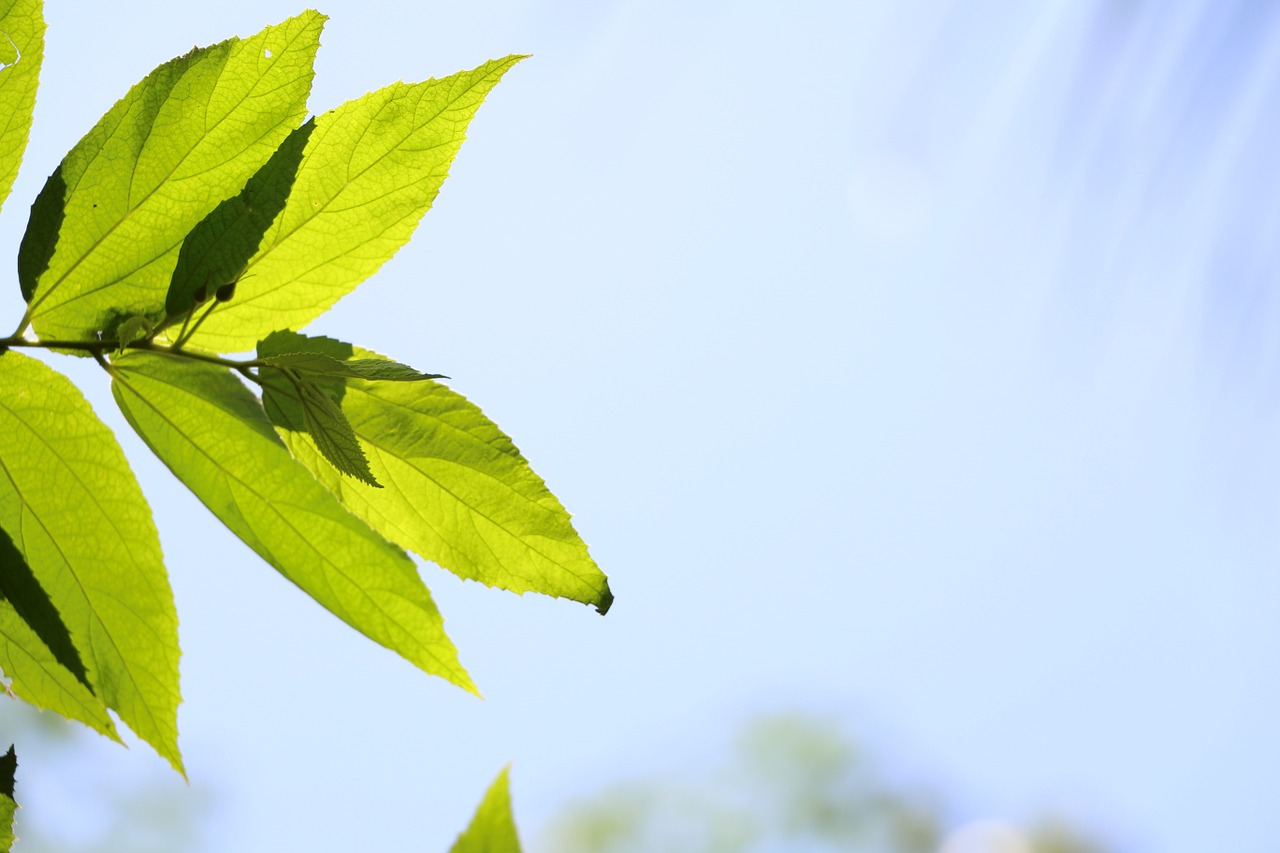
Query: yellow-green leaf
{"type": "Point", "coordinates": [72, 508]}
{"type": "Point", "coordinates": [212, 433]}
{"type": "Point", "coordinates": [106, 229]}
{"type": "Point", "coordinates": [21, 52]}
{"type": "Point", "coordinates": [217, 251]}
{"type": "Point", "coordinates": [38, 676]}
{"type": "Point", "coordinates": [456, 490]}
{"type": "Point", "coordinates": [37, 650]}
{"type": "Point", "coordinates": [370, 170]}
{"type": "Point", "coordinates": [493, 828]}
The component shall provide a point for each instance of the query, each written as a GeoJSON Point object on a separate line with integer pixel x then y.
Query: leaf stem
{"type": "Point", "coordinates": [100, 347]}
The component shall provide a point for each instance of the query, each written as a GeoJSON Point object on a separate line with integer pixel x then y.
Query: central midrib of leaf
{"type": "Point", "coordinates": [523, 540]}
{"type": "Point", "coordinates": [254, 93]}
{"type": "Point", "coordinates": [95, 622]}
{"type": "Point", "coordinates": [352, 179]}
{"type": "Point", "coordinates": [230, 477]}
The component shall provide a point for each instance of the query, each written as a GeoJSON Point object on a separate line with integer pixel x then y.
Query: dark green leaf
{"type": "Point", "coordinates": [356, 368]}
{"type": "Point", "coordinates": [330, 431]}
{"type": "Point", "coordinates": [218, 250]}
{"type": "Point", "coordinates": [8, 769]}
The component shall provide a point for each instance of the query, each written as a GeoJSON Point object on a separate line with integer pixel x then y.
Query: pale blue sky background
{"type": "Point", "coordinates": [912, 363]}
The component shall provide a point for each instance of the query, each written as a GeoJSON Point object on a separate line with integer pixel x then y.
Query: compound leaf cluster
{"type": "Point", "coordinates": [206, 216]}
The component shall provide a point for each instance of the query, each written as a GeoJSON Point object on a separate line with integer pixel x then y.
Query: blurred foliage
{"type": "Point", "coordinates": [795, 784]}
{"type": "Point", "coordinates": [150, 811]}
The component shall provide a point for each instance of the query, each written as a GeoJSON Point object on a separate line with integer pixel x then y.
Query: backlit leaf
{"type": "Point", "coordinates": [71, 506]}
{"type": "Point", "coordinates": [212, 433]}
{"type": "Point", "coordinates": [493, 828]}
{"type": "Point", "coordinates": [41, 679]}
{"type": "Point", "coordinates": [371, 169]}
{"type": "Point", "coordinates": [21, 52]}
{"type": "Point", "coordinates": [22, 592]}
{"type": "Point", "coordinates": [218, 250]}
{"type": "Point", "coordinates": [456, 490]}
{"type": "Point", "coordinates": [105, 232]}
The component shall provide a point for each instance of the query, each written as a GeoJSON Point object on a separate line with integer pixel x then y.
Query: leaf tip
{"type": "Point", "coordinates": [606, 600]}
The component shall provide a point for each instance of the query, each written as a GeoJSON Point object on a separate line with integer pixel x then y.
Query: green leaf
{"type": "Point", "coordinates": [492, 829]}
{"type": "Point", "coordinates": [41, 679]}
{"type": "Point", "coordinates": [36, 648]}
{"type": "Point", "coordinates": [8, 769]}
{"type": "Point", "coordinates": [106, 230]}
{"type": "Point", "coordinates": [357, 368]}
{"type": "Point", "coordinates": [20, 589]}
{"type": "Point", "coordinates": [371, 169]}
{"type": "Point", "coordinates": [218, 250]}
{"type": "Point", "coordinates": [458, 492]}
{"type": "Point", "coordinates": [21, 52]}
{"type": "Point", "coordinates": [329, 429]}
{"type": "Point", "coordinates": [73, 509]}
{"type": "Point", "coordinates": [212, 433]}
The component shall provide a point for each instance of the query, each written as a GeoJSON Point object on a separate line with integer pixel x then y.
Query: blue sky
{"type": "Point", "coordinates": [912, 363]}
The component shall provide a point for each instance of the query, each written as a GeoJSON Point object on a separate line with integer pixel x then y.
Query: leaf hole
{"type": "Point", "coordinates": [266, 52]}
{"type": "Point", "coordinates": [9, 54]}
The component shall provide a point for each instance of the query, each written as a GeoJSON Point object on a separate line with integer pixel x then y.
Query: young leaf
{"type": "Point", "coordinates": [329, 429]}
{"type": "Point", "coordinates": [72, 508]}
{"type": "Point", "coordinates": [132, 330]}
{"type": "Point", "coordinates": [8, 769]}
{"type": "Point", "coordinates": [371, 169]}
{"type": "Point", "coordinates": [105, 232]}
{"type": "Point", "coordinates": [458, 492]}
{"type": "Point", "coordinates": [356, 368]}
{"type": "Point", "coordinates": [21, 52]}
{"type": "Point", "coordinates": [493, 828]}
{"type": "Point", "coordinates": [212, 433]}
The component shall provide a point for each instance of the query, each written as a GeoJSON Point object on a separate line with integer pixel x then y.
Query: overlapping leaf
{"type": "Point", "coordinates": [330, 430]}
{"type": "Point", "coordinates": [457, 491]}
{"type": "Point", "coordinates": [40, 678]}
{"type": "Point", "coordinates": [493, 828]}
{"type": "Point", "coordinates": [21, 52]}
{"type": "Point", "coordinates": [370, 170]}
{"type": "Point", "coordinates": [73, 510]}
{"type": "Point", "coordinates": [105, 231]}
{"type": "Point", "coordinates": [218, 250]}
{"type": "Point", "coordinates": [212, 433]}
{"type": "Point", "coordinates": [37, 651]}
{"type": "Point", "coordinates": [355, 368]}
